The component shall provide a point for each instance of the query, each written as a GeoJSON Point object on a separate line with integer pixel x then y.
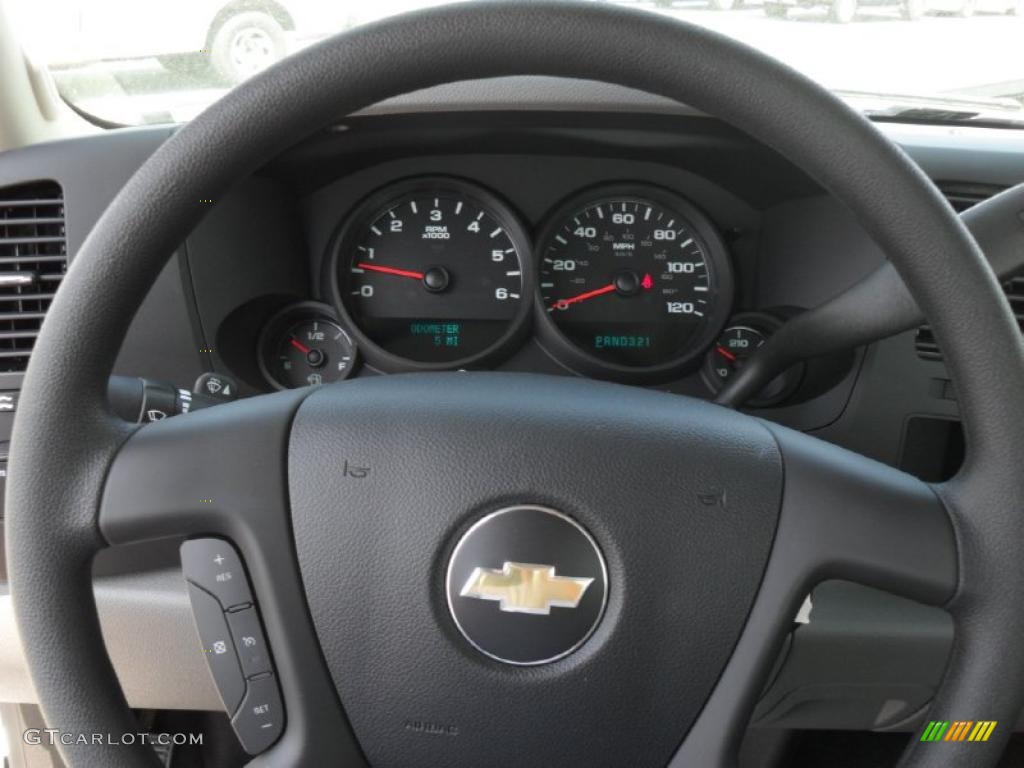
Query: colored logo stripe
{"type": "Point", "coordinates": [982, 730]}
{"type": "Point", "coordinates": [958, 730]}
{"type": "Point", "coordinates": [935, 730]}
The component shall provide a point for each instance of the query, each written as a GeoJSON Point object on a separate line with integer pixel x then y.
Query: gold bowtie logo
{"type": "Point", "coordinates": [525, 588]}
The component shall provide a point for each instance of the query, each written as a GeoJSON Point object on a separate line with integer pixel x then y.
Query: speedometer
{"type": "Point", "coordinates": [633, 283]}
{"type": "Point", "coordinates": [433, 274]}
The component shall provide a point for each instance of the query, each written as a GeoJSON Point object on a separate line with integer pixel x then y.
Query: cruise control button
{"type": "Point", "coordinates": [214, 565]}
{"type": "Point", "coordinates": [249, 641]}
{"type": "Point", "coordinates": [218, 648]}
{"type": "Point", "coordinates": [260, 720]}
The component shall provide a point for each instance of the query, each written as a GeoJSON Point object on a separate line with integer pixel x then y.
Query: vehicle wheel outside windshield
{"type": "Point", "coordinates": [245, 44]}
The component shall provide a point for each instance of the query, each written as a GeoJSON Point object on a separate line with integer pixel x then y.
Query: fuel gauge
{"type": "Point", "coordinates": [304, 346]}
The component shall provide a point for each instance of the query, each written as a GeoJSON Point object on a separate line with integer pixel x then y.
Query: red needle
{"type": "Point", "coordinates": [726, 353]}
{"type": "Point", "coordinates": [299, 346]}
{"type": "Point", "coordinates": [563, 303]}
{"type": "Point", "coordinates": [390, 270]}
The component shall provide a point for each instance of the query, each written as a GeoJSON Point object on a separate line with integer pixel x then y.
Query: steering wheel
{"type": "Point", "coordinates": [711, 526]}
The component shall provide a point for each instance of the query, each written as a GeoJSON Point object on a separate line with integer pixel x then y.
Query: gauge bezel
{"type": "Point", "coordinates": [287, 315]}
{"type": "Point", "coordinates": [392, 194]}
{"type": "Point", "coordinates": [720, 273]}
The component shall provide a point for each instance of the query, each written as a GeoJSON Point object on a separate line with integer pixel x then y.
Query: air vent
{"type": "Point", "coordinates": [33, 260]}
{"type": "Point", "coordinates": [963, 196]}
{"type": "Point", "coordinates": [928, 349]}
{"type": "Point", "coordinates": [925, 344]}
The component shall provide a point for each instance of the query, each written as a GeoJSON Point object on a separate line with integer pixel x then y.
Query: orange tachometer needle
{"type": "Point", "coordinates": [726, 353]}
{"type": "Point", "coordinates": [389, 270]}
{"type": "Point", "coordinates": [299, 346]}
{"type": "Point", "coordinates": [563, 303]}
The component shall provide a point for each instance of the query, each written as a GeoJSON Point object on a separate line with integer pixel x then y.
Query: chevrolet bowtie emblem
{"type": "Point", "coordinates": [525, 588]}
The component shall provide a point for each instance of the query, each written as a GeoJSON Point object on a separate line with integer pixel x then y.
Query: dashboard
{"type": "Point", "coordinates": [570, 229]}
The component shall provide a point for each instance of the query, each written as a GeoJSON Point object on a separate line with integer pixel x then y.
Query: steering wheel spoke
{"type": "Point", "coordinates": [218, 471]}
{"type": "Point", "coordinates": [222, 473]}
{"type": "Point", "coordinates": [848, 517]}
{"type": "Point", "coordinates": [843, 517]}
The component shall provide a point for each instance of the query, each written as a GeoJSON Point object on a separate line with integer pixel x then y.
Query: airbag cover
{"type": "Point", "coordinates": [387, 473]}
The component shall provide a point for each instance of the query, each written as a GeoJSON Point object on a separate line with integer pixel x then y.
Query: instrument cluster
{"type": "Point", "coordinates": [626, 282]}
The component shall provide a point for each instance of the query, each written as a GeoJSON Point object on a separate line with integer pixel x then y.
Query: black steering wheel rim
{"type": "Point", "coordinates": [65, 439]}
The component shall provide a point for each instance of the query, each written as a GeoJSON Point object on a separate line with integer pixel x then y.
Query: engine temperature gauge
{"type": "Point", "coordinates": [742, 337]}
{"type": "Point", "coordinates": [304, 346]}
{"type": "Point", "coordinates": [733, 347]}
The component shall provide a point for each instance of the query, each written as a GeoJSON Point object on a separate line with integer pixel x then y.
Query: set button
{"type": "Point", "coordinates": [260, 719]}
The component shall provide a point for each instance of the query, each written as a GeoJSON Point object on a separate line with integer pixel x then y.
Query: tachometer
{"type": "Point", "coordinates": [433, 274]}
{"type": "Point", "coordinates": [633, 283]}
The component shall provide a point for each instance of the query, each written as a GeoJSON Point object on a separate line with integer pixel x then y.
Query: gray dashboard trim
{"type": "Point", "coordinates": [150, 635]}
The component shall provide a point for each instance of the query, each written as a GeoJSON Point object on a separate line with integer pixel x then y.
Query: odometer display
{"type": "Point", "coordinates": [436, 275]}
{"type": "Point", "coordinates": [633, 282]}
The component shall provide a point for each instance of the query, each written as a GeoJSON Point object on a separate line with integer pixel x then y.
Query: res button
{"type": "Point", "coordinates": [214, 565]}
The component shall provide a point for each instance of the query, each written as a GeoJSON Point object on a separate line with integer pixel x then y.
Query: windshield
{"type": "Point", "coordinates": [132, 62]}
